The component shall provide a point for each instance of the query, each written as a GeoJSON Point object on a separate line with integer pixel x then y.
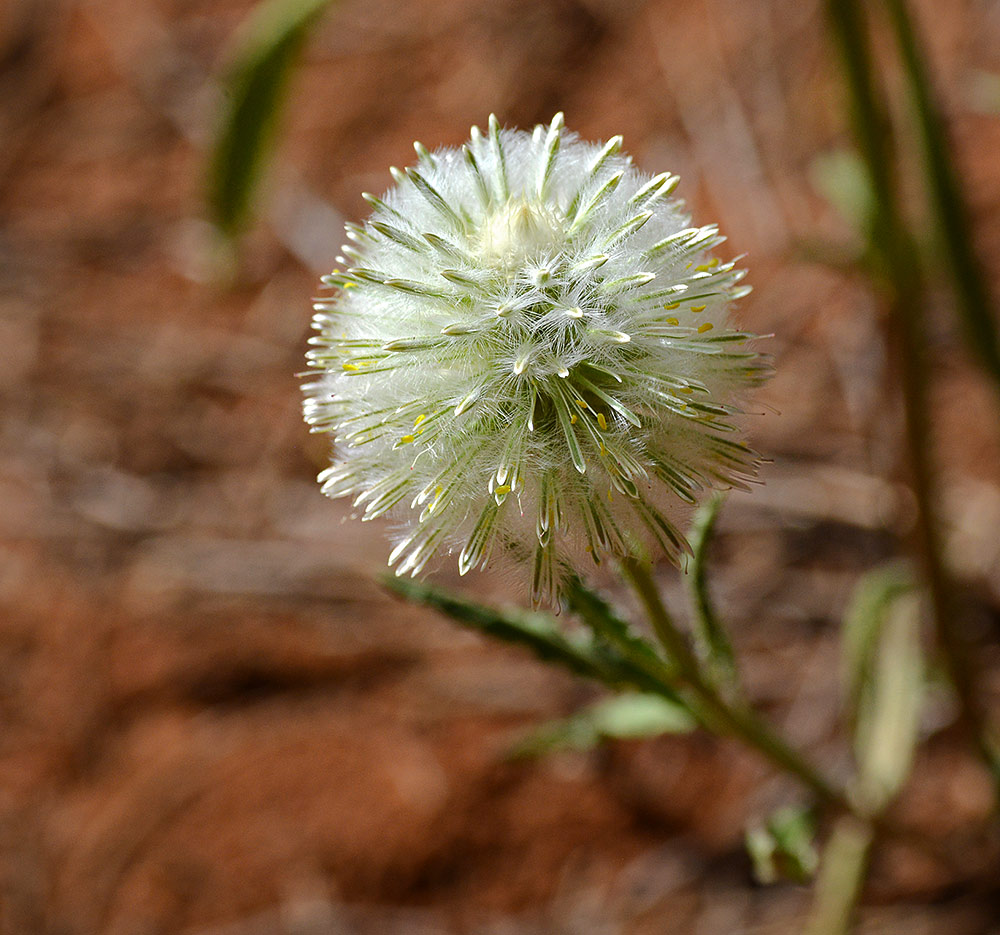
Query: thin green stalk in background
{"type": "Point", "coordinates": [971, 289]}
{"type": "Point", "coordinates": [894, 245]}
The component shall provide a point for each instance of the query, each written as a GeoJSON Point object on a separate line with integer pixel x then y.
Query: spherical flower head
{"type": "Point", "coordinates": [527, 352]}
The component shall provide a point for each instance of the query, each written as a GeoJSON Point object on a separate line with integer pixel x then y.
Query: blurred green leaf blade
{"type": "Point", "coordinates": [630, 716]}
{"type": "Point", "coordinates": [841, 178]}
{"type": "Point", "coordinates": [267, 46]}
{"type": "Point", "coordinates": [885, 681]}
{"type": "Point", "coordinates": [634, 716]}
{"type": "Point", "coordinates": [840, 879]}
{"type": "Point", "coordinates": [863, 618]}
{"type": "Point", "coordinates": [889, 717]}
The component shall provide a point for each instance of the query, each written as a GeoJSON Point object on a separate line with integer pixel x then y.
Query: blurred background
{"type": "Point", "coordinates": [211, 719]}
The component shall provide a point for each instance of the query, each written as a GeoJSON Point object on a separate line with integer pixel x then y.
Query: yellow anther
{"type": "Point", "coordinates": [686, 389]}
{"type": "Point", "coordinates": [701, 268]}
{"type": "Point", "coordinates": [604, 450]}
{"type": "Point", "coordinates": [698, 308]}
{"type": "Point", "coordinates": [406, 439]}
{"type": "Point", "coordinates": [672, 305]}
{"type": "Point", "coordinates": [422, 417]}
{"type": "Point", "coordinates": [437, 496]}
{"type": "Point", "coordinates": [502, 489]}
{"type": "Point", "coordinates": [420, 431]}
{"type": "Point", "coordinates": [573, 419]}
{"type": "Point", "coordinates": [705, 326]}
{"type": "Point", "coordinates": [581, 403]}
{"type": "Point", "coordinates": [602, 422]}
{"type": "Point", "coordinates": [349, 366]}
{"type": "Point", "coordinates": [672, 321]}
{"type": "Point", "coordinates": [589, 548]}
{"type": "Point", "coordinates": [610, 498]}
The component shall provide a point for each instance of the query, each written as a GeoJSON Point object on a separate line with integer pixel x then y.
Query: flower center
{"type": "Point", "coordinates": [519, 231]}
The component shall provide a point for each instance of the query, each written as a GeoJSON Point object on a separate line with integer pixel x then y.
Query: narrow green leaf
{"type": "Point", "coordinates": [607, 626]}
{"type": "Point", "coordinates": [265, 49]}
{"type": "Point", "coordinates": [624, 717]}
{"type": "Point", "coordinates": [889, 712]}
{"type": "Point", "coordinates": [863, 619]}
{"type": "Point", "coordinates": [580, 653]}
{"type": "Point", "coordinates": [635, 716]}
{"type": "Point", "coordinates": [884, 680]}
{"type": "Point", "coordinates": [710, 637]}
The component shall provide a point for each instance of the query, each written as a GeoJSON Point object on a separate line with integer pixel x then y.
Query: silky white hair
{"type": "Point", "coordinates": [527, 351]}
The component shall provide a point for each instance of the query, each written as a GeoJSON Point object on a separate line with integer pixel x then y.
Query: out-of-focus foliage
{"type": "Point", "coordinates": [885, 680]}
{"type": "Point", "coordinates": [973, 299]}
{"type": "Point", "coordinates": [841, 178]}
{"type": "Point", "coordinates": [783, 847]}
{"type": "Point", "coordinates": [625, 717]}
{"type": "Point", "coordinates": [254, 86]}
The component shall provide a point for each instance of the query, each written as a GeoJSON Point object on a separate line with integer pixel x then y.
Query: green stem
{"type": "Point", "coordinates": [733, 718]}
{"type": "Point", "coordinates": [893, 243]}
{"type": "Point", "coordinates": [971, 289]}
{"type": "Point", "coordinates": [841, 879]}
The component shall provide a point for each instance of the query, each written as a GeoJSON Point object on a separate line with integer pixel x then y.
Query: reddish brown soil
{"type": "Point", "coordinates": [212, 719]}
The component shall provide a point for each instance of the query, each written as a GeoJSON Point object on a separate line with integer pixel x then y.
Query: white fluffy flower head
{"type": "Point", "coordinates": [528, 352]}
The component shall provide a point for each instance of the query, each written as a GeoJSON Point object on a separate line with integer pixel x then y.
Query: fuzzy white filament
{"type": "Point", "coordinates": [527, 350]}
